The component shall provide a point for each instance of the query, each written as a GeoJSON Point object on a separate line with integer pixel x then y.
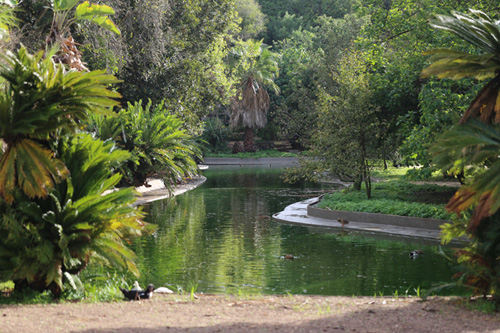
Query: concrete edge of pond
{"type": "Point", "coordinates": [376, 218]}
{"type": "Point", "coordinates": [298, 213]}
{"type": "Point", "coordinates": [157, 190]}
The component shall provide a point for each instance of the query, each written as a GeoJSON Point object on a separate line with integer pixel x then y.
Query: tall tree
{"type": "Point", "coordinates": [172, 51]}
{"type": "Point", "coordinates": [257, 68]}
{"type": "Point", "coordinates": [345, 141]}
{"type": "Point", "coordinates": [253, 21]}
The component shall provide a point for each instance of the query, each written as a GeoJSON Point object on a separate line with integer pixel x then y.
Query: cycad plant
{"type": "Point", "coordinates": [65, 17]}
{"type": "Point", "coordinates": [40, 100]}
{"type": "Point", "coordinates": [81, 220]}
{"type": "Point", "coordinates": [475, 142]}
{"type": "Point", "coordinates": [482, 32]}
{"type": "Point", "coordinates": [257, 67]}
{"type": "Point", "coordinates": [156, 140]}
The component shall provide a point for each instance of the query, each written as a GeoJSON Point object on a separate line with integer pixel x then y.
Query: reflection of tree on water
{"type": "Point", "coordinates": [219, 238]}
{"type": "Point", "coordinates": [193, 246]}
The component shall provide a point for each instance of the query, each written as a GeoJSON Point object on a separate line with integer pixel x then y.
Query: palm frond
{"type": "Point", "coordinates": [34, 168]}
{"type": "Point", "coordinates": [483, 32]}
{"type": "Point", "coordinates": [474, 143]}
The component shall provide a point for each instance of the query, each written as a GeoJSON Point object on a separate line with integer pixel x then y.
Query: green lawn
{"type": "Point", "coordinates": [394, 197]}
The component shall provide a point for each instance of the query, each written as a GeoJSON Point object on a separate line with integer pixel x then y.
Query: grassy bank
{"type": "Point", "coordinates": [396, 197]}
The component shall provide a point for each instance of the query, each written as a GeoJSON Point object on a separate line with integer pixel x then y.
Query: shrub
{"type": "Point", "coordinates": [156, 141]}
{"type": "Point", "coordinates": [46, 241]}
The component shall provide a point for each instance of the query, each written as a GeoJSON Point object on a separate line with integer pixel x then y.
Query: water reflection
{"type": "Point", "coordinates": [219, 238]}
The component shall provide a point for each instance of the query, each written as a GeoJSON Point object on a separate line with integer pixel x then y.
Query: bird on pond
{"type": "Point", "coordinates": [342, 221]}
{"type": "Point", "coordinates": [138, 294]}
{"type": "Point", "coordinates": [414, 254]}
{"type": "Point", "coordinates": [288, 256]}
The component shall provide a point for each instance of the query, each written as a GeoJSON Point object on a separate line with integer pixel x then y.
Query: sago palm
{"type": "Point", "coordinates": [45, 240]}
{"type": "Point", "coordinates": [257, 67]}
{"type": "Point", "coordinates": [158, 144]}
{"type": "Point", "coordinates": [475, 142]}
{"type": "Point", "coordinates": [483, 32]}
{"type": "Point", "coordinates": [39, 100]}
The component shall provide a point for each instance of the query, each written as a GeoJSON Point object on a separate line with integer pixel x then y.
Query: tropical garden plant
{"type": "Point", "coordinates": [474, 142]}
{"type": "Point", "coordinates": [46, 240]}
{"type": "Point", "coordinates": [216, 134]}
{"type": "Point", "coordinates": [158, 144]}
{"type": "Point", "coordinates": [55, 213]}
{"type": "Point", "coordinates": [40, 101]}
{"type": "Point", "coordinates": [257, 67]}
{"type": "Point", "coordinates": [65, 16]}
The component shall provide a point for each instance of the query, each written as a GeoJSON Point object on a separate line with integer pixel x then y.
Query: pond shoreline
{"type": "Point", "coordinates": [297, 213]}
{"type": "Point", "coordinates": [157, 190]}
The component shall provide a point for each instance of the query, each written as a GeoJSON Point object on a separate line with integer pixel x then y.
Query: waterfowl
{"type": "Point", "coordinates": [136, 287]}
{"type": "Point", "coordinates": [342, 221]}
{"type": "Point", "coordinates": [138, 294]}
{"type": "Point", "coordinates": [415, 253]}
{"type": "Point", "coordinates": [288, 256]}
{"type": "Point", "coordinates": [163, 290]}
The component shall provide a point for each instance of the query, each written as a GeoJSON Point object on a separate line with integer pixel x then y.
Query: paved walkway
{"type": "Point", "coordinates": [297, 214]}
{"type": "Point", "coordinates": [157, 190]}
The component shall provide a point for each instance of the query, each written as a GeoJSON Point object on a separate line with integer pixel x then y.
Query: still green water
{"type": "Point", "coordinates": [220, 238]}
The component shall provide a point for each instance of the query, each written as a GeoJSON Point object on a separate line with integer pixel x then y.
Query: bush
{"type": "Point", "coordinates": [216, 134]}
{"type": "Point", "coordinates": [46, 241]}
{"type": "Point", "coordinates": [156, 141]}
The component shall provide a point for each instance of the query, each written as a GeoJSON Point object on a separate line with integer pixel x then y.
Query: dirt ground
{"type": "Point", "coordinates": [220, 313]}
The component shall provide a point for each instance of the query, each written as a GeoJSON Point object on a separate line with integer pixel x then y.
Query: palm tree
{"type": "Point", "coordinates": [475, 141]}
{"type": "Point", "coordinates": [482, 32]}
{"type": "Point", "coordinates": [46, 240]}
{"type": "Point", "coordinates": [257, 67]}
{"type": "Point", "coordinates": [62, 21]}
{"type": "Point", "coordinates": [39, 101]}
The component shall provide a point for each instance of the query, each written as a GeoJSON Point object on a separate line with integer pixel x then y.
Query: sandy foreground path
{"type": "Point", "coordinates": [220, 313]}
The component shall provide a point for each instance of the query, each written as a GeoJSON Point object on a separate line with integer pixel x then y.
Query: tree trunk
{"type": "Point", "coordinates": [368, 180]}
{"type": "Point", "coordinates": [249, 142]}
{"type": "Point", "coordinates": [358, 179]}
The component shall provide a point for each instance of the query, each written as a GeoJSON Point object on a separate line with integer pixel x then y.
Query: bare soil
{"type": "Point", "coordinates": [220, 313]}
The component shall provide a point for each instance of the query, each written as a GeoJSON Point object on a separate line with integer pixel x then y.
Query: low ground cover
{"type": "Point", "coordinates": [395, 197]}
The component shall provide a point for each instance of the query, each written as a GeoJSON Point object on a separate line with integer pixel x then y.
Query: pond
{"type": "Point", "coordinates": [220, 238]}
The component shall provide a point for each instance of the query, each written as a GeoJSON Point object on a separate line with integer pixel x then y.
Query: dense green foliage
{"type": "Point", "coordinates": [40, 100]}
{"type": "Point", "coordinates": [395, 198]}
{"type": "Point", "coordinates": [48, 239]}
{"type": "Point", "coordinates": [474, 143]}
{"type": "Point", "coordinates": [156, 141]}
